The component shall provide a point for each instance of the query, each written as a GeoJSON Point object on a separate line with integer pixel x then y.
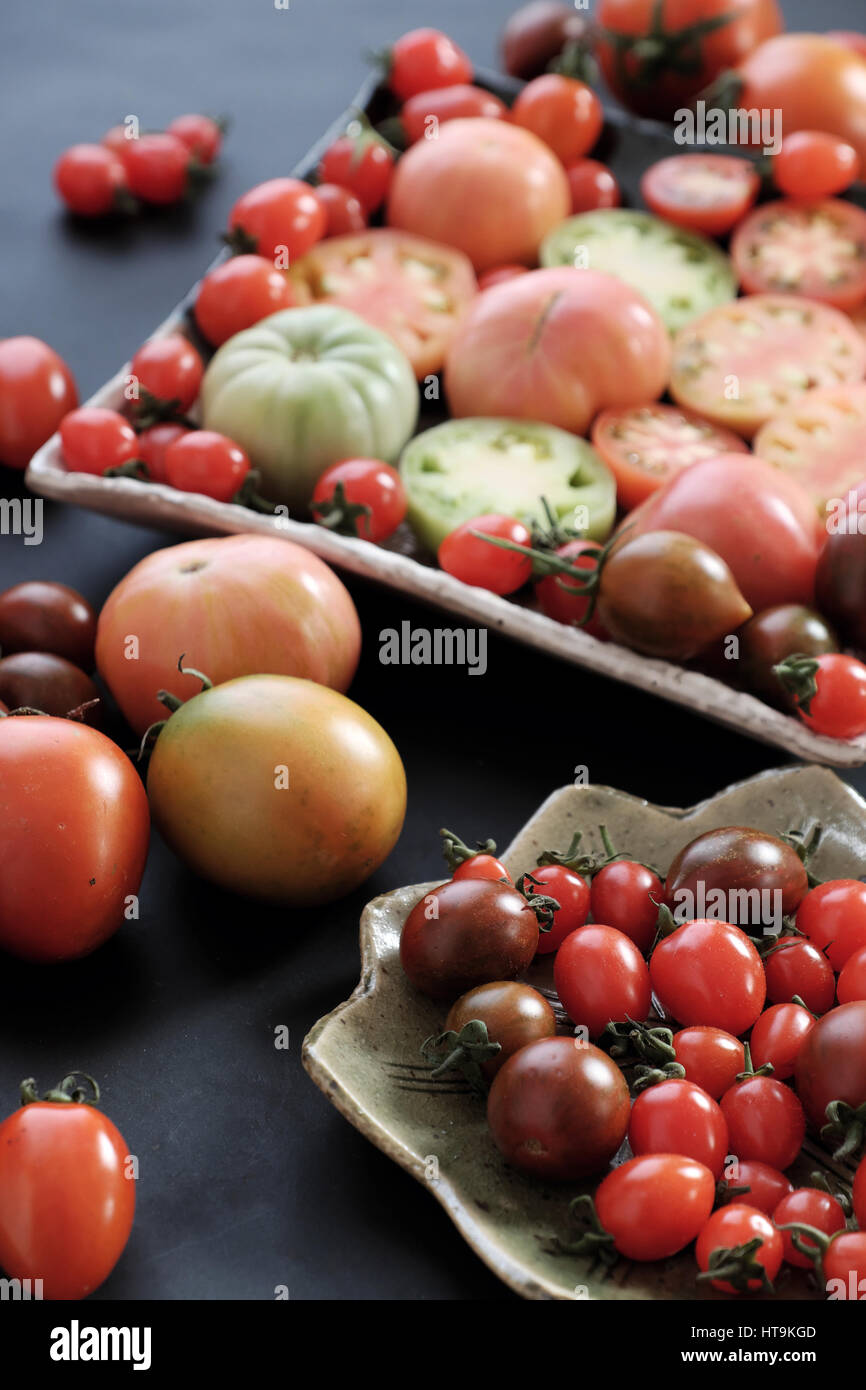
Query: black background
{"type": "Point", "coordinates": [249, 1179]}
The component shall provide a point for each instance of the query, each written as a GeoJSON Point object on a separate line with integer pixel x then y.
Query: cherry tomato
{"type": "Point", "coordinates": [678, 1117]}
{"type": "Point", "coordinates": [90, 180]}
{"type": "Point", "coordinates": [514, 1014]}
{"type": "Point", "coordinates": [362, 163]}
{"type": "Point", "coordinates": [765, 1121]}
{"type": "Point", "coordinates": [558, 1109]}
{"type": "Point", "coordinates": [237, 294]}
{"type": "Point", "coordinates": [766, 1185]}
{"type": "Point", "coordinates": [201, 135]}
{"type": "Point", "coordinates": [709, 972]}
{"type": "Point", "coordinates": [838, 706]}
{"type": "Point", "coordinates": [38, 616]}
{"type": "Point", "coordinates": [735, 1225]}
{"type": "Point", "coordinates": [571, 891]}
{"type": "Point", "coordinates": [711, 1057]}
{"type": "Point", "coordinates": [859, 1194]}
{"type": "Point", "coordinates": [499, 274]}
{"type": "Point", "coordinates": [737, 862]}
{"type": "Point", "coordinates": [157, 168]}
{"type": "Point", "coordinates": [844, 1266]}
{"type": "Point", "coordinates": [852, 979]}
{"type": "Point", "coordinates": [626, 895]}
{"type": "Point", "coordinates": [592, 186]}
{"type": "Point", "coordinates": [467, 933]}
{"type": "Point", "coordinates": [206, 462]}
{"type": "Point", "coordinates": [559, 596]}
{"type": "Point", "coordinates": [707, 193]}
{"type": "Point", "coordinates": [169, 368]}
{"type": "Point", "coordinates": [51, 684]}
{"type": "Point", "coordinates": [563, 112]}
{"type": "Point", "coordinates": [795, 966]}
{"type": "Point", "coordinates": [773, 635]}
{"type": "Point", "coordinates": [152, 444]}
{"type": "Point", "coordinates": [426, 111]}
{"type": "Point", "coordinates": [36, 391]}
{"type": "Point", "coordinates": [67, 1198]}
{"type": "Point", "coordinates": [483, 866]}
{"type": "Point", "coordinates": [811, 1207]}
{"type": "Point", "coordinates": [814, 164]}
{"type": "Point", "coordinates": [116, 139]}
{"type": "Point", "coordinates": [536, 34]}
{"type": "Point", "coordinates": [367, 483]}
{"type": "Point", "coordinates": [486, 566]}
{"type": "Point", "coordinates": [601, 978]}
{"type": "Point", "coordinates": [344, 212]}
{"type": "Point", "coordinates": [833, 916]}
{"type": "Point", "coordinates": [281, 217]}
{"type": "Point", "coordinates": [94, 439]}
{"type": "Point", "coordinates": [832, 1062]}
{"type": "Point", "coordinates": [654, 1205]}
{"type": "Point", "coordinates": [426, 59]}
{"type": "Point", "coordinates": [778, 1036]}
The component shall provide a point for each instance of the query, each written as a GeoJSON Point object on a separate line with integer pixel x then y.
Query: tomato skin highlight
{"type": "Point", "coordinates": [282, 216]}
{"type": "Point", "coordinates": [485, 566]}
{"type": "Point", "coordinates": [709, 972]}
{"type": "Point", "coordinates": [852, 978]}
{"type": "Point", "coordinates": [515, 1015]}
{"type": "Point", "coordinates": [89, 179]}
{"type": "Point", "coordinates": [482, 931]}
{"type": "Point", "coordinates": [812, 1207]}
{"type": "Point", "coordinates": [237, 294]}
{"type": "Point", "coordinates": [678, 1116]}
{"type": "Point", "coordinates": [838, 709]}
{"type": "Point", "coordinates": [767, 1186]}
{"type": "Point", "coordinates": [778, 1036]}
{"type": "Point", "coordinates": [738, 1224]}
{"type": "Point", "coordinates": [601, 977]}
{"type": "Point", "coordinates": [655, 1205]}
{"type": "Point", "coordinates": [36, 390]}
{"type": "Point", "coordinates": [625, 895]}
{"type": "Point", "coordinates": [94, 439]}
{"type": "Point", "coordinates": [426, 59]}
{"type": "Point", "coordinates": [813, 164]}
{"type": "Point", "coordinates": [711, 1057]}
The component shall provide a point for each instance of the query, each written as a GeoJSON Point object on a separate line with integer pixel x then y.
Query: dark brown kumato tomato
{"type": "Point", "coordinates": [734, 861]}
{"type": "Point", "coordinates": [467, 933]}
{"type": "Point", "coordinates": [772, 636]}
{"type": "Point", "coordinates": [514, 1015]}
{"type": "Point", "coordinates": [840, 581]}
{"type": "Point", "coordinates": [46, 617]}
{"type": "Point", "coordinates": [559, 1108]}
{"type": "Point", "coordinates": [831, 1064]}
{"type": "Point", "coordinates": [47, 683]}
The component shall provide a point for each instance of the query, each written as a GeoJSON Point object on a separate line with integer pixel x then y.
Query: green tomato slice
{"type": "Point", "coordinates": [681, 273]}
{"type": "Point", "coordinates": [466, 468]}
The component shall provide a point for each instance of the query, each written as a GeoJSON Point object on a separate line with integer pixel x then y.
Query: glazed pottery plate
{"type": "Point", "coordinates": [365, 1055]}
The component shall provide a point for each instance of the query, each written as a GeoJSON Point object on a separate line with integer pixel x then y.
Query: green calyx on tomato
{"type": "Point", "coordinates": [845, 1128]}
{"type": "Point", "coordinates": [172, 704]}
{"type": "Point", "coordinates": [640, 59]}
{"type": "Point", "coordinates": [456, 852]}
{"type": "Point", "coordinates": [738, 1266]}
{"type": "Point", "coordinates": [590, 1237]}
{"type": "Point", "coordinates": [338, 514]}
{"type": "Point", "coordinates": [464, 1052]}
{"type": "Point", "coordinates": [67, 1092]}
{"type": "Point", "coordinates": [796, 675]}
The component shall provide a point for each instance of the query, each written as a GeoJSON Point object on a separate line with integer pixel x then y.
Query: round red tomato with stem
{"type": "Point", "coordinates": [746, 1180]}
{"type": "Point", "coordinates": [739, 1250]}
{"type": "Point", "coordinates": [570, 890]}
{"type": "Point", "coordinates": [422, 114]}
{"type": "Point", "coordinates": [167, 372]}
{"type": "Point", "coordinates": [67, 1194]}
{"type": "Point", "coordinates": [808, 1206]}
{"type": "Point", "coordinates": [645, 445]}
{"type": "Point", "coordinates": [425, 59]}
{"type": "Point", "coordinates": [513, 1015]}
{"type": "Point", "coordinates": [62, 896]}
{"type": "Point", "coordinates": [464, 862]}
{"type": "Point", "coordinates": [707, 193]}
{"type": "Point", "coordinates": [626, 895]}
{"type": "Point", "coordinates": [830, 1076]}
{"type": "Point", "coordinates": [50, 684]}
{"type": "Point", "coordinates": [558, 1109]}
{"type": "Point", "coordinates": [712, 1058]}
{"type": "Point", "coordinates": [42, 616]}
{"type": "Point", "coordinates": [812, 249]}
{"type": "Point", "coordinates": [649, 1207]}
{"type": "Point", "coordinates": [678, 1117]}
{"type": "Point", "coordinates": [563, 112]}
{"type": "Point", "coordinates": [794, 967]}
{"type": "Point", "coordinates": [238, 294]}
{"type": "Point", "coordinates": [344, 212]}
{"type": "Point", "coordinates": [592, 186]}
{"type": "Point", "coordinates": [91, 180]}
{"type": "Point", "coordinates": [469, 558]}
{"type": "Point", "coordinates": [765, 1119]}
{"type": "Point", "coordinates": [813, 164]}
{"type": "Point", "coordinates": [152, 445]}
{"type": "Point", "coordinates": [708, 972]}
{"type": "Point", "coordinates": [562, 598]}
{"type": "Point", "coordinates": [206, 462]}
{"type": "Point", "coordinates": [157, 168]}
{"type": "Point", "coordinates": [361, 162]}
{"type": "Point", "coordinates": [737, 857]}
{"type": "Point", "coordinates": [467, 933]}
{"type": "Point", "coordinates": [202, 135]}
{"type": "Point", "coordinates": [281, 218]}
{"type": "Point", "coordinates": [601, 978]}
{"type": "Point", "coordinates": [36, 390]}
{"type": "Point", "coordinates": [833, 916]}
{"type": "Point", "coordinates": [94, 439]}
{"type": "Point", "coordinates": [360, 497]}
{"type": "Point", "coordinates": [778, 1036]}
{"type": "Point", "coordinates": [852, 978]}
{"type": "Point", "coordinates": [830, 692]}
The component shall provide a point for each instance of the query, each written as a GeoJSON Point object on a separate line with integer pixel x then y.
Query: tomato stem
{"type": "Point", "coordinates": [456, 852]}
{"type": "Point", "coordinates": [544, 907]}
{"type": "Point", "coordinates": [338, 514]}
{"type": "Point", "coordinates": [737, 1266]}
{"type": "Point", "coordinates": [68, 1092]}
{"type": "Point", "coordinates": [847, 1125]}
{"type": "Point", "coordinates": [592, 1239]}
{"type": "Point", "coordinates": [464, 1052]}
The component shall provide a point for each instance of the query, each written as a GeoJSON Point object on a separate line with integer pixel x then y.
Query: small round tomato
{"type": "Point", "coordinates": [237, 294]}
{"type": "Point", "coordinates": [206, 462]}
{"type": "Point", "coordinates": [795, 966]}
{"type": "Point", "coordinates": [811, 249]}
{"type": "Point", "coordinates": [765, 1119]}
{"type": "Point", "coordinates": [360, 162]}
{"type": "Point", "coordinates": [486, 566]}
{"type": "Point", "coordinates": [711, 1057]}
{"type": "Point", "coordinates": [563, 112]}
{"type": "Point", "coordinates": [482, 866]}
{"type": "Point", "coordinates": [36, 391]}
{"type": "Point", "coordinates": [766, 1186]}
{"type": "Point", "coordinates": [852, 978]}
{"type": "Point", "coordinates": [770, 638]}
{"type": "Point", "coordinates": [94, 439]}
{"type": "Point", "coordinates": [51, 684]}
{"type": "Point", "coordinates": [730, 861]}
{"type": "Point", "coordinates": [152, 444]}
{"type": "Point", "coordinates": [778, 1036]}
{"type": "Point", "coordinates": [814, 164]}
{"type": "Point", "coordinates": [833, 917]}
{"type": "Point", "coordinates": [90, 180]}
{"type": "Point", "coordinates": [844, 1265]}
{"type": "Point", "coordinates": [558, 1109]}
{"type": "Point", "coordinates": [424, 60]}
{"type": "Point", "coordinates": [343, 211]}
{"type": "Point", "coordinates": [626, 895]}
{"type": "Point", "coordinates": [709, 972]}
{"type": "Point", "coordinates": [360, 497]}
{"type": "Point", "coordinates": [38, 616]}
{"type": "Point", "coordinates": [831, 1065]}
{"type": "Point", "coordinates": [423, 113]}
{"type": "Point", "coordinates": [830, 691]}
{"type": "Point", "coordinates": [808, 1206]}
{"type": "Point", "coordinates": [731, 1227]}
{"type": "Point", "coordinates": [559, 596]}
{"type": "Point", "coordinates": [571, 891]}
{"type": "Point", "coordinates": [601, 978]}
{"type": "Point", "coordinates": [678, 1117]}
{"type": "Point", "coordinates": [592, 186]}
{"type": "Point", "coordinates": [654, 1205]}
{"type": "Point", "coordinates": [168, 369]}
{"type": "Point", "coordinates": [514, 1015]}
{"type": "Point", "coordinates": [157, 168]}
{"type": "Point", "coordinates": [278, 218]}
{"type": "Point", "coordinates": [536, 34]}
{"type": "Point", "coordinates": [116, 139]}
{"type": "Point", "coordinates": [202, 136]}
{"type": "Point", "coordinates": [499, 274]}
{"type": "Point", "coordinates": [706, 193]}
{"type": "Point", "coordinates": [467, 933]}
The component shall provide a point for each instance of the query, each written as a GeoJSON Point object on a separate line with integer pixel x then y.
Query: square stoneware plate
{"type": "Point", "coordinates": [629, 146]}
{"type": "Point", "coordinates": [364, 1056]}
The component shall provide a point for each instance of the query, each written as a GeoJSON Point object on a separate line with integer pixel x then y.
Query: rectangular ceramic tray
{"type": "Point", "coordinates": [629, 145]}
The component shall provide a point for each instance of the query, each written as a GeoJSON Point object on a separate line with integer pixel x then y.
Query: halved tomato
{"type": "Point", "coordinates": [742, 363]}
{"type": "Point", "coordinates": [645, 445]}
{"type": "Point", "coordinates": [821, 441]}
{"type": "Point", "coordinates": [703, 192]}
{"type": "Point", "coordinates": [813, 249]}
{"type": "Point", "coordinates": [412, 289]}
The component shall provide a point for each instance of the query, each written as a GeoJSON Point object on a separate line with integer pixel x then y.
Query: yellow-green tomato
{"type": "Point", "coordinates": [277, 788]}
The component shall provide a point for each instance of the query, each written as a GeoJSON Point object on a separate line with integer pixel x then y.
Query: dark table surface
{"type": "Point", "coordinates": [249, 1179]}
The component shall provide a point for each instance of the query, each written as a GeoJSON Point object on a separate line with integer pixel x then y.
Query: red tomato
{"type": "Point", "coordinates": [61, 896]}
{"type": "Point", "coordinates": [90, 180]}
{"type": "Point", "coordinates": [766, 1185]}
{"type": "Point", "coordinates": [571, 891]}
{"type": "Point", "coordinates": [206, 462]}
{"type": "Point", "coordinates": [499, 275]}
{"type": "Point", "coordinates": [852, 979]}
{"type": "Point", "coordinates": [736, 1225]}
{"type": "Point", "coordinates": [706, 193]}
{"type": "Point", "coordinates": [849, 39]}
{"type": "Point", "coordinates": [152, 444]}
{"type": "Point", "coordinates": [558, 594]}
{"type": "Point", "coordinates": [237, 294]}
{"type": "Point", "coordinates": [423, 113]}
{"type": "Point", "coordinates": [810, 1207]}
{"type": "Point", "coordinates": [486, 165]}
{"type": "Point", "coordinates": [67, 1198]}
{"type": "Point", "coordinates": [369, 484]}
{"type": "Point", "coordinates": [654, 1206]}
{"type": "Point", "coordinates": [95, 439]}
{"type": "Point", "coordinates": [709, 972]}
{"type": "Point", "coordinates": [36, 390]}
{"type": "Point", "coordinates": [858, 1194]}
{"type": "Point", "coordinates": [343, 211]}
{"type": "Point", "coordinates": [157, 168]}
{"type": "Point", "coordinates": [485, 866]}
{"type": "Point", "coordinates": [833, 699]}
{"type": "Point", "coordinates": [425, 59]}
{"type": "Point", "coordinates": [711, 1057]}
{"type": "Point", "coordinates": [832, 1063]}
{"type": "Point", "coordinates": [201, 135]}
{"type": "Point", "coordinates": [813, 164]}
{"type": "Point", "coordinates": [844, 1266]}
{"type": "Point", "coordinates": [810, 249]}
{"type": "Point", "coordinates": [279, 218]}
{"type": "Point", "coordinates": [778, 1036]}
{"type": "Point", "coordinates": [601, 978]}
{"type": "Point", "coordinates": [486, 566]}
{"type": "Point", "coordinates": [833, 916]}
{"type": "Point", "coordinates": [362, 163]}
{"type": "Point", "coordinates": [645, 445]}
{"type": "Point", "coordinates": [169, 369]}
{"type": "Point", "coordinates": [766, 1121]}
{"type": "Point", "coordinates": [592, 186]}
{"type": "Point", "coordinates": [115, 139]}
{"type": "Point", "coordinates": [626, 895]}
{"type": "Point", "coordinates": [678, 1117]}
{"type": "Point", "coordinates": [563, 112]}
{"type": "Point", "coordinates": [795, 966]}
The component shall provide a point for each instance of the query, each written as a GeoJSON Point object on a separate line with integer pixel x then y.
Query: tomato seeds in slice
{"type": "Point", "coordinates": [645, 445]}
{"type": "Point", "coordinates": [821, 441]}
{"type": "Point", "coordinates": [813, 249]}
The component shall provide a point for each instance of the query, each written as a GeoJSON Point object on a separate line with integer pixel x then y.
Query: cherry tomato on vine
{"type": "Point", "coordinates": [36, 390]}
{"type": "Point", "coordinates": [514, 1015]}
{"type": "Point", "coordinates": [466, 933]}
{"type": "Point", "coordinates": [838, 706]}
{"type": "Point", "coordinates": [766, 1186]}
{"type": "Point", "coordinates": [571, 891]}
{"type": "Point", "coordinates": [677, 1117]}
{"type": "Point", "coordinates": [169, 368]}
{"type": "Point", "coordinates": [94, 439]}
{"type": "Point", "coordinates": [711, 1057]}
{"type": "Point", "coordinates": [423, 113]}
{"type": "Point", "coordinates": [833, 917]}
{"type": "Point", "coordinates": [706, 193]}
{"type": "Point", "coordinates": [811, 1207]}
{"type": "Point", "coordinates": [736, 1225]}
{"type": "Point", "coordinates": [653, 1206]}
{"type": "Point", "coordinates": [343, 211]}
{"type": "Point", "coordinates": [362, 163]}
{"type": "Point", "coordinates": [202, 136]}
{"type": "Point", "coordinates": [563, 112]}
{"type": "Point", "coordinates": [778, 1036]}
{"type": "Point", "coordinates": [206, 462]}
{"type": "Point", "coordinates": [625, 895]}
{"type": "Point", "coordinates": [367, 483]}
{"type": "Point", "coordinates": [709, 972]}
{"type": "Point", "coordinates": [765, 1121]}
{"type": "Point", "coordinates": [483, 565]}
{"type": "Point", "coordinates": [592, 186]}
{"type": "Point", "coordinates": [237, 294]}
{"type": "Point", "coordinates": [90, 180]}
{"type": "Point", "coordinates": [815, 164]}
{"type": "Point", "coordinates": [157, 168]}
{"type": "Point", "coordinates": [281, 217]}
{"type": "Point", "coordinates": [499, 274]}
{"type": "Point", "coordinates": [424, 60]}
{"type": "Point", "coordinates": [852, 978]}
{"type": "Point", "coordinates": [795, 966]}
{"type": "Point", "coordinates": [483, 866]}
{"type": "Point", "coordinates": [601, 978]}
{"type": "Point", "coordinates": [559, 596]}
{"type": "Point", "coordinates": [152, 444]}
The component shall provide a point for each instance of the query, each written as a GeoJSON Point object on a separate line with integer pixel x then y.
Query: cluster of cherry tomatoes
{"type": "Point", "coordinates": [129, 167]}
{"type": "Point", "coordinates": [736, 1039]}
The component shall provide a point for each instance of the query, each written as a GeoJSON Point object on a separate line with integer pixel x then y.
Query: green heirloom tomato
{"type": "Point", "coordinates": [305, 388]}
{"type": "Point", "coordinates": [466, 468]}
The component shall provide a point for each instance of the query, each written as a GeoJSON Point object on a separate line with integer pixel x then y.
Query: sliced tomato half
{"type": "Point", "coordinates": [415, 290]}
{"type": "Point", "coordinates": [645, 445]}
{"type": "Point", "coordinates": [821, 441]}
{"type": "Point", "coordinates": [812, 249]}
{"type": "Point", "coordinates": [703, 192]}
{"type": "Point", "coordinates": [743, 363]}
